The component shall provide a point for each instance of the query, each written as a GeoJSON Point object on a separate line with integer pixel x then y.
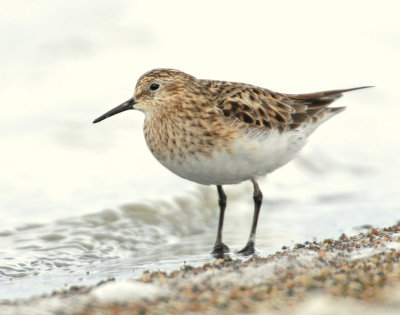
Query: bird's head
{"type": "Point", "coordinates": [158, 89]}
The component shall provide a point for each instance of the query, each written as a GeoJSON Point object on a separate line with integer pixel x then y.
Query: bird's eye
{"type": "Point", "coordinates": [154, 86]}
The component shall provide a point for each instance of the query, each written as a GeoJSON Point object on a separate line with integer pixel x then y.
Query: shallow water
{"type": "Point", "coordinates": [80, 203]}
{"type": "Point", "coordinates": [124, 240]}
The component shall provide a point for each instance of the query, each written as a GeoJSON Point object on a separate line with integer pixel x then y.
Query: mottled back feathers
{"type": "Point", "coordinates": [271, 110]}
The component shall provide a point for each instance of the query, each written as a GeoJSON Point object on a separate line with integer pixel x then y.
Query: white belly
{"type": "Point", "coordinates": [252, 156]}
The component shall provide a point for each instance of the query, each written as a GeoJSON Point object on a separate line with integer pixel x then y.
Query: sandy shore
{"type": "Point", "coordinates": [358, 274]}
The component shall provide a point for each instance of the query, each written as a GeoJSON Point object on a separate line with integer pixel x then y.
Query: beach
{"type": "Point", "coordinates": [92, 223]}
{"type": "Point", "coordinates": [359, 273]}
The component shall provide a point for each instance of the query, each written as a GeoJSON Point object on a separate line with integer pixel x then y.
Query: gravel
{"type": "Point", "coordinates": [358, 274]}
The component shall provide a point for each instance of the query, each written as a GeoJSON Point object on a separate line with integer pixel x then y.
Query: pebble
{"type": "Point", "coordinates": [360, 267]}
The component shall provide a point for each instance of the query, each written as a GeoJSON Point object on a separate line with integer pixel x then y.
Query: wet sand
{"type": "Point", "coordinates": [358, 274]}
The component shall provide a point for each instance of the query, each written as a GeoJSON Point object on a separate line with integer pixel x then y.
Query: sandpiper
{"type": "Point", "coordinates": [220, 133]}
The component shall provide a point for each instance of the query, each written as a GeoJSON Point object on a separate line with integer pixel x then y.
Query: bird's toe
{"type": "Point", "coordinates": [220, 250]}
{"type": "Point", "coordinates": [248, 249]}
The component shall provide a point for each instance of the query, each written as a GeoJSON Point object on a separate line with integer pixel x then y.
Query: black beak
{"type": "Point", "coordinates": [121, 108]}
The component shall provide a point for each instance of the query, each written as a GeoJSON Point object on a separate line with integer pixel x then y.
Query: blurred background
{"type": "Point", "coordinates": [82, 202]}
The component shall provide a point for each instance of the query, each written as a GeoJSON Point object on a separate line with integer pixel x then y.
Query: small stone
{"type": "Point", "coordinates": [146, 277]}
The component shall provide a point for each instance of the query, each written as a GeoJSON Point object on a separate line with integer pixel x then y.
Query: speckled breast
{"type": "Point", "coordinates": [206, 157]}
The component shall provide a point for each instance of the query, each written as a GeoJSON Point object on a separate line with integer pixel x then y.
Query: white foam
{"type": "Point", "coordinates": [126, 291]}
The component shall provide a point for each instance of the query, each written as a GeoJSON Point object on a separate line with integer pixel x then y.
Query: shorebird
{"type": "Point", "coordinates": [221, 133]}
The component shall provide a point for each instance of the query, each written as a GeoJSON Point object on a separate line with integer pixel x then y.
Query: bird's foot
{"type": "Point", "coordinates": [248, 249]}
{"type": "Point", "coordinates": [219, 250]}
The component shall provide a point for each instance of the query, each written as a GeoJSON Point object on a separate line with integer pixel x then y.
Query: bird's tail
{"type": "Point", "coordinates": [315, 105]}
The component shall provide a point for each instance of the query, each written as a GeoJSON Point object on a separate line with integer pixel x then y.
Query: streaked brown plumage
{"type": "Point", "coordinates": [218, 132]}
{"type": "Point", "coordinates": [268, 109]}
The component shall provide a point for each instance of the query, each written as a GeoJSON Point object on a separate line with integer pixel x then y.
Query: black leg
{"type": "Point", "coordinates": [257, 196]}
{"type": "Point", "coordinates": [219, 247]}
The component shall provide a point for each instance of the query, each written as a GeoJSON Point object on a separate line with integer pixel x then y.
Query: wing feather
{"type": "Point", "coordinates": [268, 109]}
